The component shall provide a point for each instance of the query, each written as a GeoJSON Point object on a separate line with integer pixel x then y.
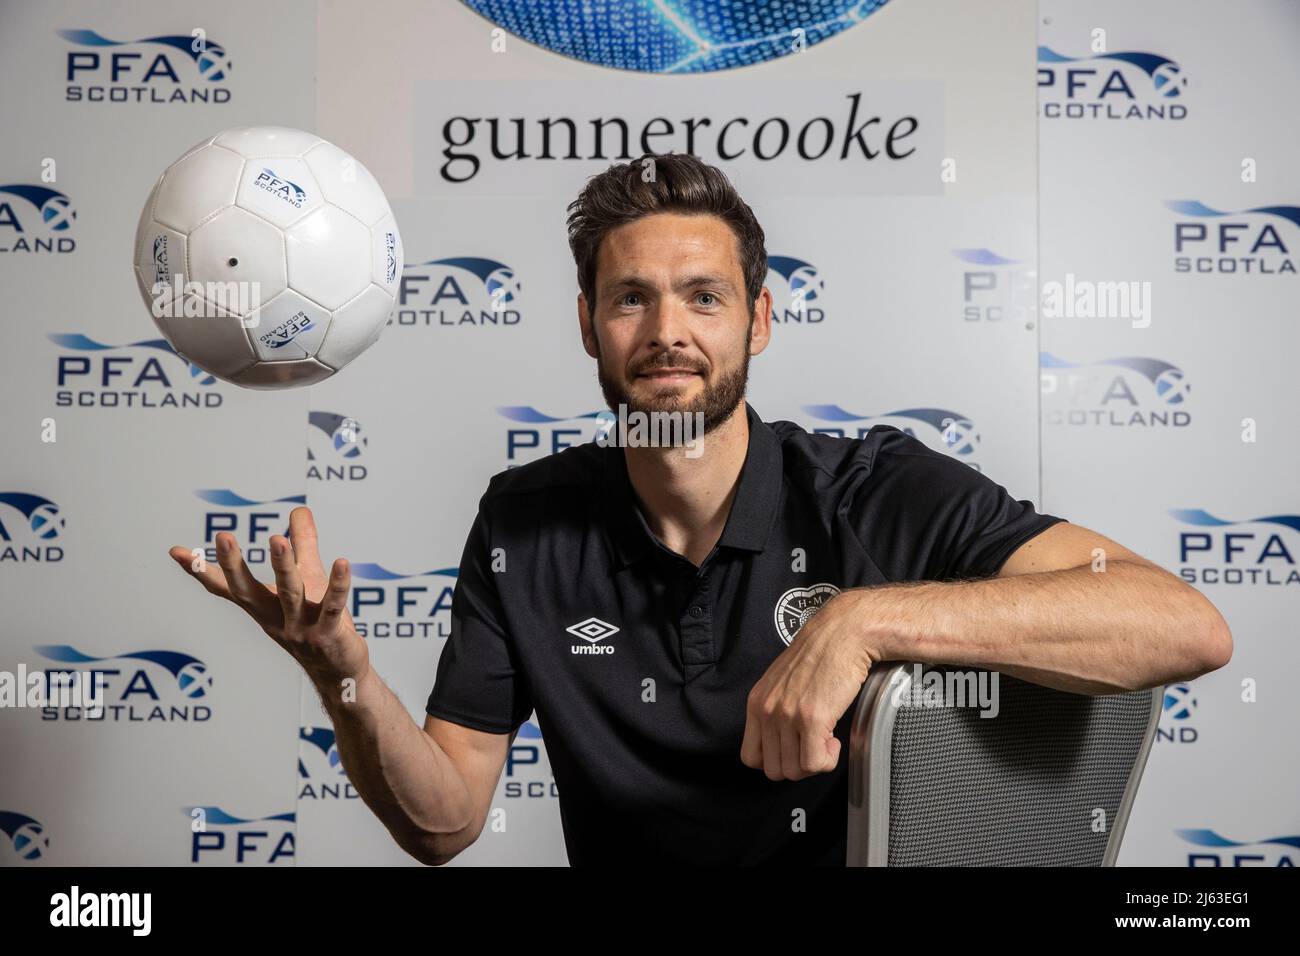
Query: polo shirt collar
{"type": "Point", "coordinates": [753, 510]}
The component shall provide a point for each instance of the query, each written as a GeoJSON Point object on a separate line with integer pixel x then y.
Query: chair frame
{"type": "Point", "coordinates": [870, 738]}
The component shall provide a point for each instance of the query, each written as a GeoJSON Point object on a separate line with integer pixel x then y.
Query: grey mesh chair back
{"type": "Point", "coordinates": [1048, 781]}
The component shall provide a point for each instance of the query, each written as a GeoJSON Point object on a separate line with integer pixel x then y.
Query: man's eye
{"type": "Point", "coordinates": [712, 299]}
{"type": "Point", "coordinates": [623, 299]}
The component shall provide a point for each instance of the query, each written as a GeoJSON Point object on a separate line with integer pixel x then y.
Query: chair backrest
{"type": "Point", "coordinates": [1048, 781]}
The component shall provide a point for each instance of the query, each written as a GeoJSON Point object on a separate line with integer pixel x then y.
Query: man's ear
{"type": "Point", "coordinates": [760, 332]}
{"type": "Point", "coordinates": [587, 328]}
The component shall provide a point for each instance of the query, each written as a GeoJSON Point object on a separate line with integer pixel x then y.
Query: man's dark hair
{"type": "Point", "coordinates": [676, 182]}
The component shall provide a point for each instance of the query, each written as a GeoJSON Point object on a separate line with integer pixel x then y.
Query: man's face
{"type": "Point", "coordinates": [669, 327]}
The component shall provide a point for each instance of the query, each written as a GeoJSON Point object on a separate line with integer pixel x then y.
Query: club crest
{"type": "Point", "coordinates": [799, 604]}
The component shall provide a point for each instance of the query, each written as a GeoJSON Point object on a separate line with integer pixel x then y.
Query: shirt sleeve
{"type": "Point", "coordinates": [925, 516]}
{"type": "Point", "coordinates": [479, 682]}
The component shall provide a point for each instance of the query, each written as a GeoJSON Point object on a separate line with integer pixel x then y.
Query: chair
{"type": "Point", "coordinates": [943, 786]}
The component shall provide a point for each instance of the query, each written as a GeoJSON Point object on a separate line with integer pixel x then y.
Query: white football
{"type": "Point", "coordinates": [268, 257]}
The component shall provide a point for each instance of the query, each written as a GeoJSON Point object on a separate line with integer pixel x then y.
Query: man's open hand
{"type": "Point", "coordinates": [304, 612]}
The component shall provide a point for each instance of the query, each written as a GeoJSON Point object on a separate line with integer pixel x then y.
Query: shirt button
{"type": "Point", "coordinates": [696, 610]}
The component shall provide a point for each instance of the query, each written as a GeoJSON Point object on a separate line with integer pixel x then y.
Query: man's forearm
{"type": "Point", "coordinates": [1131, 626]}
{"type": "Point", "coordinates": [400, 772]}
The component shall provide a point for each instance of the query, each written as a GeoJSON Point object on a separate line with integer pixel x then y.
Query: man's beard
{"type": "Point", "coordinates": [716, 401]}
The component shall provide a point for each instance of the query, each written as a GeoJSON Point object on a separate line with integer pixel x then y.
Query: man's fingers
{"type": "Point", "coordinates": [790, 748]}
{"type": "Point", "coordinates": [813, 753]}
{"type": "Point", "coordinates": [306, 547]}
{"type": "Point", "coordinates": [288, 582]}
{"type": "Point", "coordinates": [751, 745]}
{"type": "Point", "coordinates": [244, 588]}
{"type": "Point", "coordinates": [334, 604]}
{"type": "Point", "coordinates": [210, 577]}
{"type": "Point", "coordinates": [772, 751]}
{"type": "Point", "coordinates": [832, 755]}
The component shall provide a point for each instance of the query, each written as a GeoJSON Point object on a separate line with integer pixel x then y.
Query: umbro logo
{"type": "Point", "coordinates": [592, 630]}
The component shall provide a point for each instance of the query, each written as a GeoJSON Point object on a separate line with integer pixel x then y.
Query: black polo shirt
{"type": "Point", "coordinates": [638, 663]}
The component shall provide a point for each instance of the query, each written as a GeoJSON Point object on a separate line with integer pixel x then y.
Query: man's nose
{"type": "Point", "coordinates": [667, 325]}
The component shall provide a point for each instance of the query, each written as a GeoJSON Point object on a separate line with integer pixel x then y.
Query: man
{"type": "Point", "coordinates": [692, 625]}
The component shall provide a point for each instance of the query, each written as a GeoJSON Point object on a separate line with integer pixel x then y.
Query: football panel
{"type": "Point", "coordinates": [328, 255]}
{"type": "Point", "coordinates": [259, 142]}
{"type": "Point", "coordinates": [196, 187]}
{"type": "Point", "coordinates": [159, 259]}
{"type": "Point", "coordinates": [146, 217]}
{"type": "Point", "coordinates": [197, 146]}
{"type": "Point", "coordinates": [347, 184]}
{"type": "Point", "coordinates": [146, 293]}
{"type": "Point", "coordinates": [237, 247]}
{"type": "Point", "coordinates": [211, 338]}
{"type": "Point", "coordinates": [269, 375]}
{"type": "Point", "coordinates": [288, 327]}
{"type": "Point", "coordinates": [356, 327]}
{"type": "Point", "coordinates": [386, 255]}
{"type": "Point", "coordinates": [281, 190]}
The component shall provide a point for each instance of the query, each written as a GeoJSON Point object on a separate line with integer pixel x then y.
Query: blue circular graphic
{"type": "Point", "coordinates": [194, 679]}
{"type": "Point", "coordinates": [960, 436]}
{"type": "Point", "coordinates": [30, 841]}
{"type": "Point", "coordinates": [502, 286]}
{"type": "Point", "coordinates": [805, 282]}
{"type": "Point", "coordinates": [347, 439]}
{"type": "Point", "coordinates": [1170, 386]}
{"type": "Point", "coordinates": [674, 36]}
{"type": "Point", "coordinates": [336, 761]}
{"type": "Point", "coordinates": [57, 213]}
{"type": "Point", "coordinates": [1179, 702]}
{"type": "Point", "coordinates": [213, 63]}
{"type": "Point", "coordinates": [46, 522]}
{"type": "Point", "coordinates": [1169, 80]}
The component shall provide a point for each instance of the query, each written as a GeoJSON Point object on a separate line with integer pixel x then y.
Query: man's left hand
{"type": "Point", "coordinates": [792, 711]}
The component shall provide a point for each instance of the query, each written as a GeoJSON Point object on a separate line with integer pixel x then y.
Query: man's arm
{"type": "Point", "coordinates": [1070, 609]}
{"type": "Point", "coordinates": [431, 788]}
{"type": "Point", "coordinates": [1048, 617]}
